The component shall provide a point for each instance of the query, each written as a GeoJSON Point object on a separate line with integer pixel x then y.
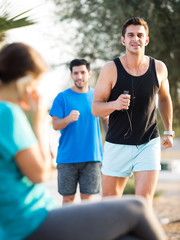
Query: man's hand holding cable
{"type": "Point", "coordinates": [122, 102]}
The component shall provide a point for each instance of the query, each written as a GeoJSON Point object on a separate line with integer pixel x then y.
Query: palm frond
{"type": "Point", "coordinates": [21, 14]}
{"type": "Point", "coordinates": [8, 22]}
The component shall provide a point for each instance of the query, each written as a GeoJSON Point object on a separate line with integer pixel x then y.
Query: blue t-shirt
{"type": "Point", "coordinates": [80, 141]}
{"type": "Point", "coordinates": [23, 205]}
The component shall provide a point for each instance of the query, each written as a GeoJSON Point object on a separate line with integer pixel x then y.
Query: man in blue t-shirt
{"type": "Point", "coordinates": [80, 149]}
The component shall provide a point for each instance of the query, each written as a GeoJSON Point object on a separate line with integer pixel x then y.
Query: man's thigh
{"type": "Point", "coordinates": [90, 178]}
{"type": "Point", "coordinates": [145, 183]}
{"type": "Point", "coordinates": [113, 186]}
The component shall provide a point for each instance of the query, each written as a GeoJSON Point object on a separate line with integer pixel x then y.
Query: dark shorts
{"type": "Point", "coordinates": [87, 174]}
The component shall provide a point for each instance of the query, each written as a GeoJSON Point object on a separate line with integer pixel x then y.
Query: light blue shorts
{"type": "Point", "coordinates": [121, 160]}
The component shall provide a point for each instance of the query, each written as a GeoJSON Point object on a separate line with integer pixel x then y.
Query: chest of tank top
{"type": "Point", "coordinates": [143, 90]}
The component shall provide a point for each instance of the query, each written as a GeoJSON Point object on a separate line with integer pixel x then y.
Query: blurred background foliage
{"type": "Point", "coordinates": [98, 26]}
{"type": "Point", "coordinates": [96, 32]}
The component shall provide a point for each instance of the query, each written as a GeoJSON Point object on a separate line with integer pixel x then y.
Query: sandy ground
{"type": "Point", "coordinates": [167, 208]}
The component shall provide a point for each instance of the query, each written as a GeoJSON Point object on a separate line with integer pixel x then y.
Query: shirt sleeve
{"type": "Point", "coordinates": [57, 108]}
{"type": "Point", "coordinates": [16, 133]}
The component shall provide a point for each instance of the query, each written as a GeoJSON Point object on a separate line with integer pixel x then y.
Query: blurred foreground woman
{"type": "Point", "coordinates": [26, 209]}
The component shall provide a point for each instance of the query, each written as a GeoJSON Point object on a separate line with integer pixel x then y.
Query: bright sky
{"type": "Point", "coordinates": [49, 39]}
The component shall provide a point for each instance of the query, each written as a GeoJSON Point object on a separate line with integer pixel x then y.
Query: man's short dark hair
{"type": "Point", "coordinates": [79, 62]}
{"type": "Point", "coordinates": [135, 21]}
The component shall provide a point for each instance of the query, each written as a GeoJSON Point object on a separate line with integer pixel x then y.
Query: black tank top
{"type": "Point", "coordinates": [138, 124]}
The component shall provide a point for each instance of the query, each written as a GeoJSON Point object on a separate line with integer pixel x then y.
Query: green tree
{"type": "Point", "coordinates": [98, 29]}
{"type": "Point", "coordinates": [7, 22]}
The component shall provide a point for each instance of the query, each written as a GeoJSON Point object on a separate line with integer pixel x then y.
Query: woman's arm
{"type": "Point", "coordinates": [35, 162]}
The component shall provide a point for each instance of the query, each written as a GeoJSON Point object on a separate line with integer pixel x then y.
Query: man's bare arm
{"type": "Point", "coordinates": [105, 83]}
{"type": "Point", "coordinates": [165, 103]}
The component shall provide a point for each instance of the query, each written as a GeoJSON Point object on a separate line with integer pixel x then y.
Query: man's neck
{"type": "Point", "coordinates": [134, 60]}
{"type": "Point", "coordinates": [80, 90]}
{"type": "Point", "coordinates": [135, 64]}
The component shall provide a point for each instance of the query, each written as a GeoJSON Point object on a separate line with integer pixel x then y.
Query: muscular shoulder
{"type": "Point", "coordinates": [109, 67]}
{"type": "Point", "coordinates": [109, 72]}
{"type": "Point", "coordinates": [160, 67]}
{"type": "Point", "coordinates": [161, 71]}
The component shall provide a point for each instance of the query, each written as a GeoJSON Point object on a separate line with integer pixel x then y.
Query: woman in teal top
{"type": "Point", "coordinates": [24, 205]}
{"type": "Point", "coordinates": [20, 197]}
{"type": "Point", "coordinates": [26, 210]}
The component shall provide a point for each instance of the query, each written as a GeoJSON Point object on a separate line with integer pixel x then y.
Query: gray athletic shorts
{"type": "Point", "coordinates": [87, 174]}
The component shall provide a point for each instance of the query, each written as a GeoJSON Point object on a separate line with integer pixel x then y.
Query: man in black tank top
{"type": "Point", "coordinates": [126, 91]}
